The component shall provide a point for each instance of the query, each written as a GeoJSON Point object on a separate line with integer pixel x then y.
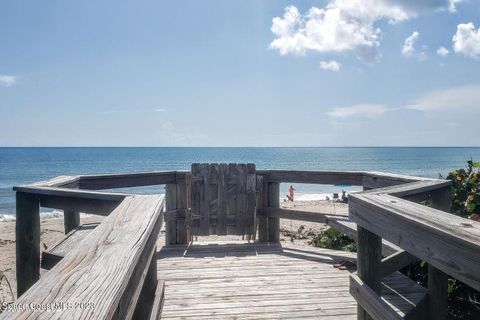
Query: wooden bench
{"type": "Point", "coordinates": [110, 274]}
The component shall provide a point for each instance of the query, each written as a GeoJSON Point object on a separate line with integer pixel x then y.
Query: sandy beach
{"type": "Point", "coordinates": [297, 232]}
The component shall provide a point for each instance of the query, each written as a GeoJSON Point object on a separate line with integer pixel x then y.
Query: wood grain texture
{"type": "Point", "coordinates": [71, 220]}
{"type": "Point", "coordinates": [113, 181]}
{"type": "Point", "coordinates": [316, 177]}
{"type": "Point", "coordinates": [396, 261]}
{"type": "Point", "coordinates": [56, 252]}
{"type": "Point", "coordinates": [370, 301]}
{"type": "Point", "coordinates": [27, 236]}
{"type": "Point", "coordinates": [297, 215]}
{"type": "Point", "coordinates": [170, 205]}
{"type": "Point", "coordinates": [273, 199]}
{"type": "Point", "coordinates": [223, 199]}
{"type": "Point", "coordinates": [447, 242]}
{"type": "Point", "coordinates": [106, 268]}
{"type": "Point", "coordinates": [234, 280]}
{"type": "Point", "coordinates": [369, 265]}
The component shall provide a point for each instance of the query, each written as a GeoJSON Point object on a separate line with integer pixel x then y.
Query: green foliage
{"type": "Point", "coordinates": [465, 190]}
{"type": "Point", "coordinates": [463, 301]}
{"type": "Point", "coordinates": [333, 239]}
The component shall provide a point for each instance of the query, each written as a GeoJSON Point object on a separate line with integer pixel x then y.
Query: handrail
{"type": "Point", "coordinates": [448, 242]}
{"type": "Point", "coordinates": [383, 210]}
{"type": "Point", "coordinates": [119, 255]}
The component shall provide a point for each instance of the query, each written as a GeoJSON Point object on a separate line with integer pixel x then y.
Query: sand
{"type": "Point", "coordinates": [297, 232]}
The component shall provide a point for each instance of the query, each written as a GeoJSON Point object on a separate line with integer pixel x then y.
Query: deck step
{"type": "Point", "coordinates": [54, 254]}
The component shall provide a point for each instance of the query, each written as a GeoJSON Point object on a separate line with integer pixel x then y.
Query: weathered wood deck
{"type": "Point", "coordinates": [264, 281]}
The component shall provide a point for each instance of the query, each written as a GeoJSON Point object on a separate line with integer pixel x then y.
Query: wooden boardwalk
{"type": "Point", "coordinates": [264, 281]}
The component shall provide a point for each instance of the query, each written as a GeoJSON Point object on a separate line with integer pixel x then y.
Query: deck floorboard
{"type": "Point", "coordinates": [261, 281]}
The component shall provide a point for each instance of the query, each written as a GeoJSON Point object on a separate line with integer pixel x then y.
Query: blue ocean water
{"type": "Point", "coordinates": [25, 165]}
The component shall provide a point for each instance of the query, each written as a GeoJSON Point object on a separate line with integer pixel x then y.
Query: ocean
{"type": "Point", "coordinates": [25, 165]}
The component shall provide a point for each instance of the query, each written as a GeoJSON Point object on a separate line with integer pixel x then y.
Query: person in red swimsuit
{"type": "Point", "coordinates": [291, 193]}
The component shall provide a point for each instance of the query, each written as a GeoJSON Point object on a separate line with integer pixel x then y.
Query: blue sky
{"type": "Point", "coordinates": [239, 73]}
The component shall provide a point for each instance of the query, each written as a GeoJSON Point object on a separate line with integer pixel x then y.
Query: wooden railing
{"type": "Point", "coordinates": [449, 244]}
{"type": "Point", "coordinates": [393, 231]}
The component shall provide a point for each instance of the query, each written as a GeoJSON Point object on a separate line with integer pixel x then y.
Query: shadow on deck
{"type": "Point", "coordinates": [264, 281]}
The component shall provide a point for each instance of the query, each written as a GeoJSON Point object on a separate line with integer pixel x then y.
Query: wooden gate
{"type": "Point", "coordinates": [222, 199]}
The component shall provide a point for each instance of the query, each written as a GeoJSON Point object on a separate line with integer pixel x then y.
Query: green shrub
{"type": "Point", "coordinates": [333, 239]}
{"type": "Point", "coordinates": [465, 191]}
{"type": "Point", "coordinates": [463, 301]}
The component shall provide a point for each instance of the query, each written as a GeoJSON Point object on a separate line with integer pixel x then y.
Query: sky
{"type": "Point", "coordinates": [240, 73]}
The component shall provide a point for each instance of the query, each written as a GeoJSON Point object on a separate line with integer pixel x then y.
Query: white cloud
{"type": "Point", "coordinates": [331, 65]}
{"type": "Point", "coordinates": [408, 48]}
{"type": "Point", "coordinates": [429, 5]}
{"type": "Point", "coordinates": [7, 81]}
{"type": "Point", "coordinates": [452, 5]}
{"type": "Point", "coordinates": [359, 110]}
{"type": "Point", "coordinates": [339, 26]}
{"type": "Point", "coordinates": [160, 110]}
{"type": "Point", "coordinates": [467, 40]}
{"type": "Point", "coordinates": [459, 99]}
{"type": "Point", "coordinates": [442, 51]}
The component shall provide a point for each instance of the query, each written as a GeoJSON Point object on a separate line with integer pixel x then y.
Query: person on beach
{"type": "Point", "coordinates": [291, 193]}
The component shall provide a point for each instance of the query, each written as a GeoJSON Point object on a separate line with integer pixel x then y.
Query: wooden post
{"type": "Point", "coordinates": [145, 301]}
{"type": "Point", "coordinates": [170, 222]}
{"type": "Point", "coordinates": [27, 234]}
{"type": "Point", "coordinates": [369, 264]}
{"type": "Point", "coordinates": [182, 203]}
{"type": "Point", "coordinates": [437, 295]}
{"type": "Point", "coordinates": [71, 220]}
{"type": "Point", "coordinates": [273, 202]}
{"type": "Point", "coordinates": [262, 214]}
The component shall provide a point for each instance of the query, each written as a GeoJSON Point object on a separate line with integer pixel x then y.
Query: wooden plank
{"type": "Point", "coordinates": [381, 179]}
{"type": "Point", "coordinates": [93, 206]}
{"type": "Point", "coordinates": [261, 210]}
{"type": "Point", "coordinates": [60, 181]}
{"type": "Point", "coordinates": [194, 217]}
{"type": "Point", "coordinates": [159, 301]}
{"type": "Point", "coordinates": [232, 182]}
{"type": "Point", "coordinates": [94, 202]}
{"type": "Point", "coordinates": [145, 303]}
{"type": "Point", "coordinates": [182, 204]}
{"type": "Point", "coordinates": [212, 197]}
{"type": "Point", "coordinates": [345, 226]}
{"type": "Point", "coordinates": [370, 301]}
{"type": "Point", "coordinates": [437, 294]}
{"type": "Point", "coordinates": [71, 220]}
{"type": "Point", "coordinates": [396, 262]}
{"type": "Point", "coordinates": [72, 193]}
{"type": "Point", "coordinates": [369, 266]}
{"type": "Point", "coordinates": [250, 206]}
{"type": "Point", "coordinates": [437, 298]}
{"type": "Point", "coordinates": [222, 200]}
{"type": "Point", "coordinates": [116, 254]}
{"type": "Point", "coordinates": [113, 181]}
{"type": "Point", "coordinates": [60, 249]}
{"type": "Point", "coordinates": [204, 227]}
{"type": "Point", "coordinates": [27, 237]}
{"type": "Point", "coordinates": [317, 177]}
{"type": "Point", "coordinates": [422, 231]}
{"type": "Point", "coordinates": [310, 216]}
{"type": "Point", "coordinates": [240, 212]}
{"type": "Point", "coordinates": [412, 190]}
{"type": "Point", "coordinates": [273, 196]}
{"type": "Point", "coordinates": [170, 205]}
